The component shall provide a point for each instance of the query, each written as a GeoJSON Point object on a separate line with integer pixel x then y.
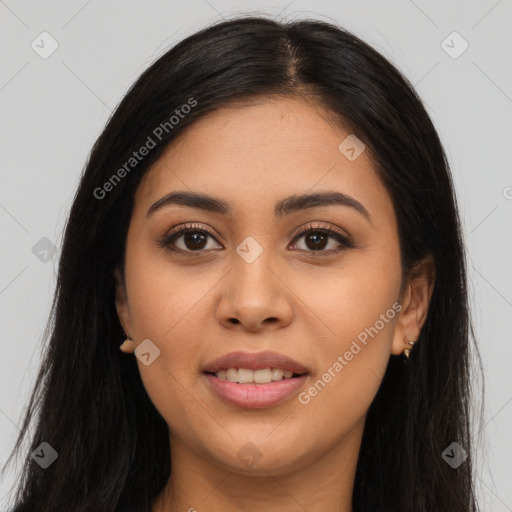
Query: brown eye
{"type": "Point", "coordinates": [188, 239]}
{"type": "Point", "coordinates": [321, 240]}
{"type": "Point", "coordinates": [316, 240]}
{"type": "Point", "coordinates": [194, 240]}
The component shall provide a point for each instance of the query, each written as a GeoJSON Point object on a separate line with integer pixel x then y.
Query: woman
{"type": "Point", "coordinates": [267, 228]}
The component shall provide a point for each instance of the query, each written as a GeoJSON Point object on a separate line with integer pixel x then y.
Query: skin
{"type": "Point", "coordinates": [307, 306]}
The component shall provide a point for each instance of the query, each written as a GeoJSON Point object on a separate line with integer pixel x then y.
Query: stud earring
{"type": "Point", "coordinates": [128, 347]}
{"type": "Point", "coordinates": [407, 351]}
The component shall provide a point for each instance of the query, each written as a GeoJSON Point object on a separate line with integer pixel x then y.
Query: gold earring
{"type": "Point", "coordinates": [407, 351]}
{"type": "Point", "coordinates": [128, 347]}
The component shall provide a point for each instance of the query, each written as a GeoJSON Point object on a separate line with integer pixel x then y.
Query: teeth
{"type": "Point", "coordinates": [247, 376]}
{"type": "Point", "coordinates": [232, 374]}
{"type": "Point", "coordinates": [277, 374]}
{"type": "Point", "coordinates": [261, 376]}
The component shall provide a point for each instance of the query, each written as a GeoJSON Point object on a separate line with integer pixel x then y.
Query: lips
{"type": "Point", "coordinates": [244, 393]}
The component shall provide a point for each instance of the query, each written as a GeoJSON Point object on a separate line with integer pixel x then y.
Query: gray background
{"type": "Point", "coordinates": [53, 110]}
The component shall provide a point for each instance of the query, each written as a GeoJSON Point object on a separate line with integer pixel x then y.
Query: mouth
{"type": "Point", "coordinates": [255, 380]}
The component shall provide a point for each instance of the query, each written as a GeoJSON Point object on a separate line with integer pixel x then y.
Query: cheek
{"type": "Point", "coordinates": [160, 292]}
{"type": "Point", "coordinates": [167, 307]}
{"type": "Point", "coordinates": [166, 304]}
{"type": "Point", "coordinates": [351, 297]}
{"type": "Point", "coordinates": [358, 309]}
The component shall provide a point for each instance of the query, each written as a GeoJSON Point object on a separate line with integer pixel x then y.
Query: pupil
{"type": "Point", "coordinates": [196, 240]}
{"type": "Point", "coordinates": [317, 241]}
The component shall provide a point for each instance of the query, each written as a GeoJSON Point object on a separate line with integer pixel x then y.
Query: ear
{"type": "Point", "coordinates": [415, 301]}
{"type": "Point", "coordinates": [123, 310]}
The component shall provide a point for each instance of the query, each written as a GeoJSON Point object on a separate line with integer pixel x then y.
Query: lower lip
{"type": "Point", "coordinates": [256, 396]}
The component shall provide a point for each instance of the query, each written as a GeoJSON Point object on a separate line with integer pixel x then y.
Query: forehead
{"type": "Point", "coordinates": [255, 153]}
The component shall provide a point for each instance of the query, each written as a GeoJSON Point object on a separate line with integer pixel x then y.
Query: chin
{"type": "Point", "coordinates": [260, 455]}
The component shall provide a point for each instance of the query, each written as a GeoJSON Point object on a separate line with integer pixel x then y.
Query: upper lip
{"type": "Point", "coordinates": [255, 361]}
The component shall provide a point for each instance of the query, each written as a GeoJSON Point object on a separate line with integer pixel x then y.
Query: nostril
{"type": "Point", "coordinates": [234, 321]}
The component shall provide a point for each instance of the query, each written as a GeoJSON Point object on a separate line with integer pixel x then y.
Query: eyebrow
{"type": "Point", "coordinates": [284, 207]}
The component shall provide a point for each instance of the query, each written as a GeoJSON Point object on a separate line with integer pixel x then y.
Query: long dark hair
{"type": "Point", "coordinates": [89, 403]}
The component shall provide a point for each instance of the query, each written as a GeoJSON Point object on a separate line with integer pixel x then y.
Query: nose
{"type": "Point", "coordinates": [254, 296]}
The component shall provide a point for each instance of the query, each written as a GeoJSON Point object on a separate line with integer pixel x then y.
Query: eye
{"type": "Point", "coordinates": [188, 238]}
{"type": "Point", "coordinates": [318, 238]}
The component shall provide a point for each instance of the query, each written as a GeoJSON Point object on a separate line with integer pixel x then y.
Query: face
{"type": "Point", "coordinates": [317, 282]}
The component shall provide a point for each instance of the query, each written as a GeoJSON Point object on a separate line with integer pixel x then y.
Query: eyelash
{"type": "Point", "coordinates": [166, 241]}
